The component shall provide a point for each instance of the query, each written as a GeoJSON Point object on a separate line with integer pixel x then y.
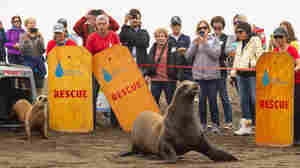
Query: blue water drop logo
{"type": "Point", "coordinates": [59, 71]}
{"type": "Point", "coordinates": [266, 79]}
{"type": "Point", "coordinates": [107, 75]}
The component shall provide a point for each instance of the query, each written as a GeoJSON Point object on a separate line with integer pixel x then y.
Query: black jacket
{"type": "Point", "coordinates": [2, 41]}
{"type": "Point", "coordinates": [173, 58]}
{"type": "Point", "coordinates": [140, 39]}
{"type": "Point", "coordinates": [223, 56]}
{"type": "Point", "coordinates": [184, 41]}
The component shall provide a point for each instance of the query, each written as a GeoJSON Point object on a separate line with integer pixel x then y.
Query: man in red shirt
{"type": "Point", "coordinates": [98, 41]}
{"type": "Point", "coordinates": [86, 25]}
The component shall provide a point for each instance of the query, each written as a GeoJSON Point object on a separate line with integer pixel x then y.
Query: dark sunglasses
{"type": "Point", "coordinates": [202, 28]}
{"type": "Point", "coordinates": [236, 22]}
{"type": "Point", "coordinates": [218, 28]}
{"type": "Point", "coordinates": [17, 21]}
{"type": "Point", "coordinates": [279, 37]}
{"type": "Point", "coordinates": [239, 31]}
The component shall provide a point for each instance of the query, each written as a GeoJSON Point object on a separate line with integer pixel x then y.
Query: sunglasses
{"type": "Point", "coordinates": [17, 21]}
{"type": "Point", "coordinates": [278, 37]}
{"type": "Point", "coordinates": [239, 31]}
{"type": "Point", "coordinates": [202, 28]}
{"type": "Point", "coordinates": [236, 22]}
{"type": "Point", "coordinates": [218, 28]}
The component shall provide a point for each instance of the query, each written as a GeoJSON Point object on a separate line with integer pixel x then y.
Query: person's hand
{"type": "Point", "coordinates": [297, 68]}
{"type": "Point", "coordinates": [181, 50]}
{"type": "Point", "coordinates": [17, 46]}
{"type": "Point", "coordinates": [231, 54]}
{"type": "Point", "coordinates": [128, 17]}
{"type": "Point", "coordinates": [148, 79]}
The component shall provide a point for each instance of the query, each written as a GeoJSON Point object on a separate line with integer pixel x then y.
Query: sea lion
{"type": "Point", "coordinates": [33, 116]}
{"type": "Point", "coordinates": [176, 133]}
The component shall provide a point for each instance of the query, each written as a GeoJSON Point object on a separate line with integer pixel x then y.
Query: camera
{"type": "Point", "coordinates": [33, 30]}
{"type": "Point", "coordinates": [201, 33]}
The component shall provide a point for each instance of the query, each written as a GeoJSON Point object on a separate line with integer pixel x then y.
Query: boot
{"type": "Point", "coordinates": [245, 128]}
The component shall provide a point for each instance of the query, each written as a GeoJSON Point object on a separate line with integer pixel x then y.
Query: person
{"type": "Point", "coordinates": [86, 25]}
{"type": "Point", "coordinates": [2, 42]}
{"type": "Point", "coordinates": [292, 39]}
{"type": "Point", "coordinates": [182, 43]}
{"type": "Point", "coordinates": [258, 31]}
{"type": "Point", "coordinates": [218, 25]}
{"type": "Point", "coordinates": [248, 52]}
{"type": "Point", "coordinates": [32, 48]}
{"type": "Point", "coordinates": [134, 37]}
{"type": "Point", "coordinates": [205, 50]}
{"type": "Point", "coordinates": [281, 37]}
{"type": "Point", "coordinates": [163, 77]}
{"type": "Point", "coordinates": [98, 41]}
{"type": "Point", "coordinates": [59, 38]}
{"type": "Point", "coordinates": [13, 39]}
{"type": "Point", "coordinates": [64, 22]}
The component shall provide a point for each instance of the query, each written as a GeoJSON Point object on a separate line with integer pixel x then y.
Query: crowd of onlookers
{"type": "Point", "coordinates": [210, 49]}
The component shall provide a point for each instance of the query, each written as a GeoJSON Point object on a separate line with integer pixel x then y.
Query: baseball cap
{"type": "Point", "coordinates": [63, 21]}
{"type": "Point", "coordinates": [280, 32]}
{"type": "Point", "coordinates": [175, 20]}
{"type": "Point", "coordinates": [58, 28]}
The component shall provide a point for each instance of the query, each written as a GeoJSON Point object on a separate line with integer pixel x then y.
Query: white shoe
{"type": "Point", "coordinates": [245, 128]}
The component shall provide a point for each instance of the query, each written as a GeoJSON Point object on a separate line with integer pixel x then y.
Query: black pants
{"type": "Point", "coordinates": [297, 113]}
{"type": "Point", "coordinates": [15, 59]}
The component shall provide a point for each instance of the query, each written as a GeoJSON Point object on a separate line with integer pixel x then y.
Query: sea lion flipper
{"type": "Point", "coordinates": [167, 152]}
{"type": "Point", "coordinates": [133, 151]}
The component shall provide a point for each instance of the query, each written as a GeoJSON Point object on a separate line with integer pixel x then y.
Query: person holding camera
{"type": "Point", "coordinates": [134, 37]}
{"type": "Point", "coordinates": [13, 39]}
{"type": "Point", "coordinates": [32, 48]}
{"type": "Point", "coordinates": [87, 24]}
{"type": "Point", "coordinates": [205, 50]}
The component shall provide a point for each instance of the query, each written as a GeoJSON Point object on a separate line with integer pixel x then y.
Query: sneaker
{"type": "Point", "coordinates": [228, 125]}
{"type": "Point", "coordinates": [245, 128]}
{"type": "Point", "coordinates": [215, 130]}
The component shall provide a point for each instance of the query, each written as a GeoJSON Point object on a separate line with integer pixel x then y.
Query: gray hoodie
{"type": "Point", "coordinates": [206, 59]}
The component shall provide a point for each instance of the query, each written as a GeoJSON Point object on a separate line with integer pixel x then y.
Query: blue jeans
{"type": "Point", "coordinates": [223, 93]}
{"type": "Point", "coordinates": [158, 86]}
{"type": "Point", "coordinates": [208, 90]}
{"type": "Point", "coordinates": [247, 92]}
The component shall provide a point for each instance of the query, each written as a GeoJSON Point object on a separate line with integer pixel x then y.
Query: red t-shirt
{"type": "Point", "coordinates": [95, 43]}
{"type": "Point", "coordinates": [294, 53]}
{"type": "Point", "coordinates": [52, 44]}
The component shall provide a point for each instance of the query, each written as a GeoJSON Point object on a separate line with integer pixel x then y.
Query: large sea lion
{"type": "Point", "coordinates": [33, 116]}
{"type": "Point", "coordinates": [176, 133]}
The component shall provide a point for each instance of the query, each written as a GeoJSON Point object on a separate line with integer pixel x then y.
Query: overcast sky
{"type": "Point", "coordinates": [155, 13]}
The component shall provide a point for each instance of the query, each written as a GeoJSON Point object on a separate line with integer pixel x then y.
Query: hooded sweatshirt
{"type": "Point", "coordinates": [13, 37]}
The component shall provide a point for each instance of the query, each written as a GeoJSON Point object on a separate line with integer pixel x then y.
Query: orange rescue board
{"type": "Point", "coordinates": [123, 85]}
{"type": "Point", "coordinates": [274, 99]}
{"type": "Point", "coordinates": [70, 89]}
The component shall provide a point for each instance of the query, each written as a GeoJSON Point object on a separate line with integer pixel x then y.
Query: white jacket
{"type": "Point", "coordinates": [247, 57]}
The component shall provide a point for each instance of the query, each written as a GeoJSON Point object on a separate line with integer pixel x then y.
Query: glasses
{"type": "Point", "coordinates": [278, 37]}
{"type": "Point", "coordinates": [17, 21]}
{"type": "Point", "coordinates": [202, 28]}
{"type": "Point", "coordinates": [239, 31]}
{"type": "Point", "coordinates": [236, 22]}
{"type": "Point", "coordinates": [218, 28]}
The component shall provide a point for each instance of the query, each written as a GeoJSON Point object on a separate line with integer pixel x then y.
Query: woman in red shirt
{"type": "Point", "coordinates": [59, 38]}
{"type": "Point", "coordinates": [281, 37]}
